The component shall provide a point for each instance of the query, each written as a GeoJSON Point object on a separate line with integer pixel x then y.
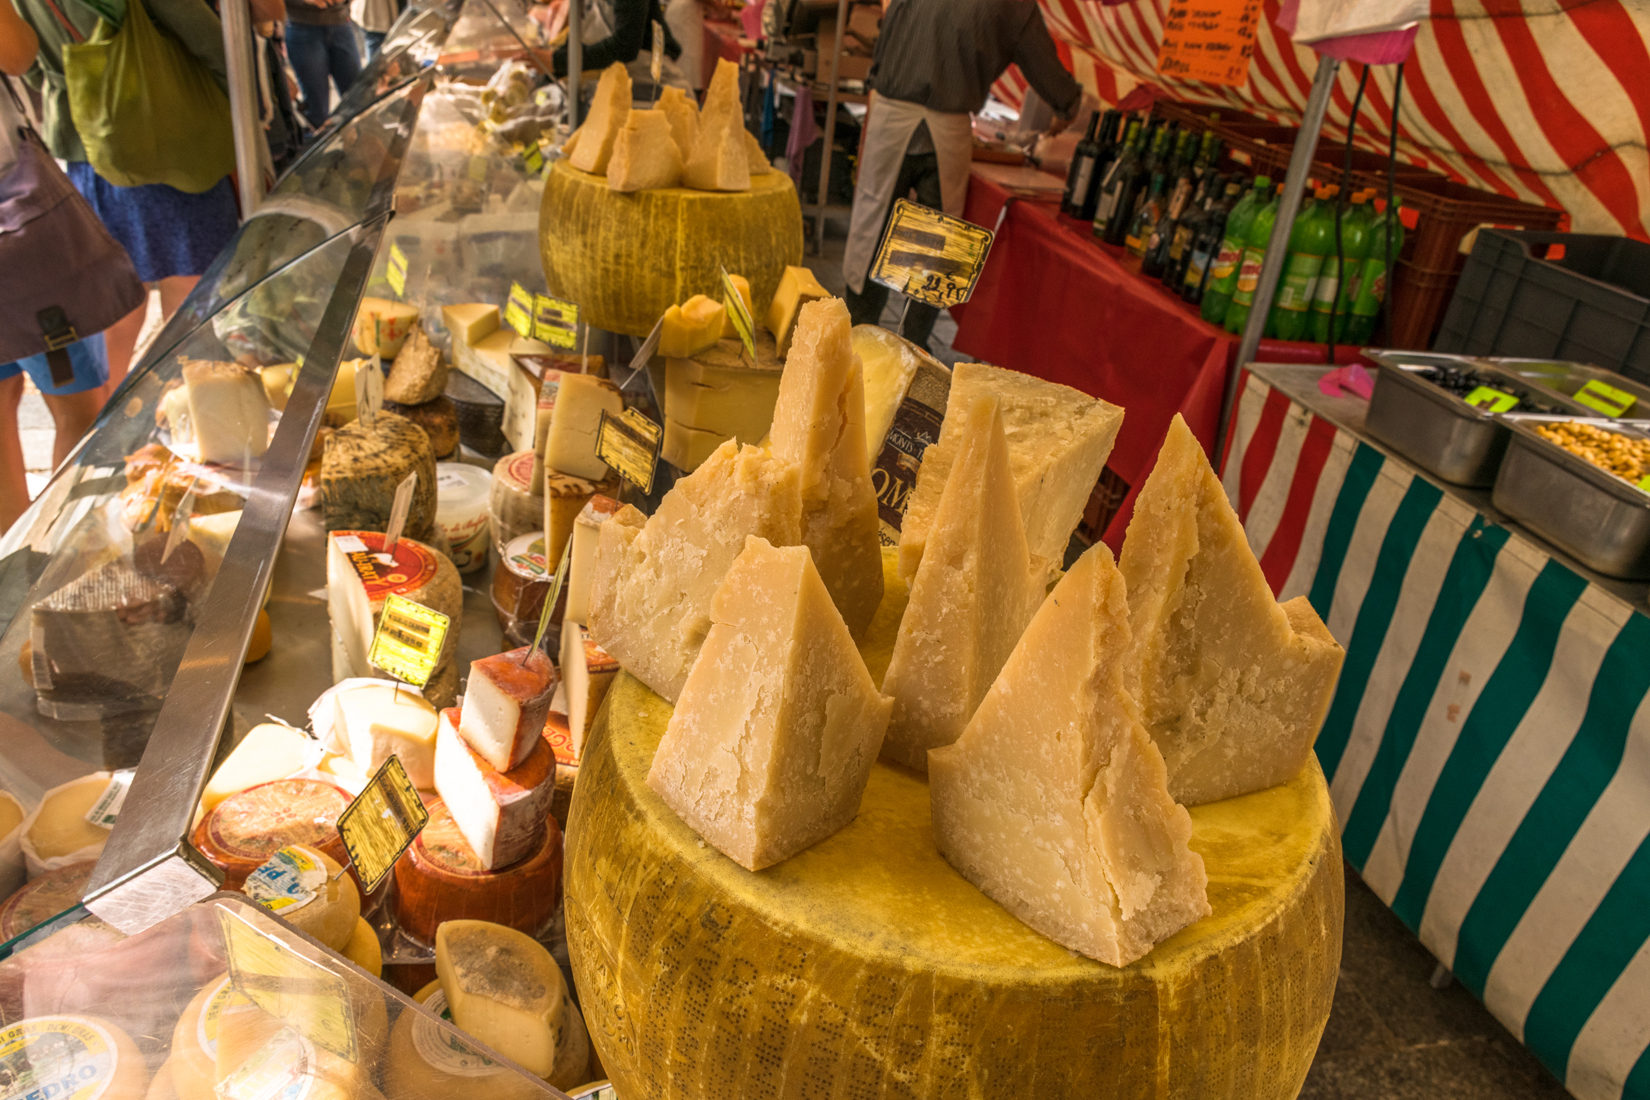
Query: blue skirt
{"type": "Point", "coordinates": [166, 231]}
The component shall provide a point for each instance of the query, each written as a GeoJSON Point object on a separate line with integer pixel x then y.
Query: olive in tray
{"type": "Point", "coordinates": [1461, 382]}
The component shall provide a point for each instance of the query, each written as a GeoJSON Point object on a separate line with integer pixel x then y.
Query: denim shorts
{"type": "Point", "coordinates": [90, 362]}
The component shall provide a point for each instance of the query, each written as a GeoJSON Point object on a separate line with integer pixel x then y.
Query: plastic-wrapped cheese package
{"type": "Point", "coordinates": [61, 832]}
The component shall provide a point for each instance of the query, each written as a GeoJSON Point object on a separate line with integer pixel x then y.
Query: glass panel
{"type": "Point", "coordinates": [492, 29]}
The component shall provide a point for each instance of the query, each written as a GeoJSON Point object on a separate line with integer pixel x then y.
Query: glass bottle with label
{"type": "Point", "coordinates": [1205, 244]}
{"type": "Point", "coordinates": [1111, 185]}
{"type": "Point", "coordinates": [1081, 172]}
{"type": "Point", "coordinates": [1107, 151]}
{"type": "Point", "coordinates": [1136, 186]}
{"type": "Point", "coordinates": [1151, 212]}
{"type": "Point", "coordinates": [1222, 279]}
{"type": "Point", "coordinates": [1179, 205]}
{"type": "Point", "coordinates": [1177, 247]}
{"type": "Point", "coordinates": [1254, 254]}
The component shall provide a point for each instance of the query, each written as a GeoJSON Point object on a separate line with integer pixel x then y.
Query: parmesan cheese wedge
{"type": "Point", "coordinates": [645, 155]}
{"type": "Point", "coordinates": [719, 160]}
{"type": "Point", "coordinates": [797, 287]}
{"type": "Point", "coordinates": [1054, 801]}
{"type": "Point", "coordinates": [570, 442]}
{"type": "Point", "coordinates": [972, 597]}
{"type": "Point", "coordinates": [608, 114]}
{"type": "Point", "coordinates": [683, 113]}
{"type": "Point", "coordinates": [692, 327]}
{"type": "Point", "coordinates": [1233, 686]}
{"type": "Point", "coordinates": [773, 738]}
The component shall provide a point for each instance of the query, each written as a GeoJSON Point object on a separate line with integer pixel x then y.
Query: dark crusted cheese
{"type": "Point", "coordinates": [362, 467]}
{"type": "Point", "coordinates": [438, 418]}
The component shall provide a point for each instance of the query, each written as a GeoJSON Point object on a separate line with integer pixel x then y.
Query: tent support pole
{"type": "Point", "coordinates": [242, 68]}
{"type": "Point", "coordinates": [575, 61]}
{"type": "Point", "coordinates": [1300, 165]}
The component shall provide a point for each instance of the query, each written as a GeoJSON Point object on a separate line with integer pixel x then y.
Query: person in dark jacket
{"type": "Point", "coordinates": [622, 31]}
{"type": "Point", "coordinates": [321, 45]}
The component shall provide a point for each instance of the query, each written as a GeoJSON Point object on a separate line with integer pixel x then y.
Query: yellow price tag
{"type": "Point", "coordinates": [931, 256]}
{"type": "Point", "coordinates": [381, 822]}
{"type": "Point", "coordinates": [1644, 483]}
{"type": "Point", "coordinates": [1605, 398]}
{"type": "Point", "coordinates": [534, 160]}
{"type": "Point", "coordinates": [408, 641]}
{"type": "Point", "coordinates": [272, 975]}
{"type": "Point", "coordinates": [518, 310]}
{"type": "Point", "coordinates": [739, 314]}
{"type": "Point", "coordinates": [555, 321]}
{"type": "Point", "coordinates": [1493, 400]}
{"type": "Point", "coordinates": [396, 272]}
{"type": "Point", "coordinates": [629, 443]}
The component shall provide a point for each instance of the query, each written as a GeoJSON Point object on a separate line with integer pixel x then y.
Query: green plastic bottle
{"type": "Point", "coordinates": [1372, 275]}
{"type": "Point", "coordinates": [1223, 272]}
{"type": "Point", "coordinates": [1254, 254]}
{"type": "Point", "coordinates": [1334, 291]}
{"type": "Point", "coordinates": [1311, 239]}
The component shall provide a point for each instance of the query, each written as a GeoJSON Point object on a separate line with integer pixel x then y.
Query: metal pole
{"type": "Point", "coordinates": [575, 60]}
{"type": "Point", "coordinates": [824, 195]}
{"type": "Point", "coordinates": [242, 68]}
{"type": "Point", "coordinates": [1300, 165]}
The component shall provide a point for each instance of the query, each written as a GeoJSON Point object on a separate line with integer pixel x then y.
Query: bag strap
{"type": "Point", "coordinates": [61, 18]}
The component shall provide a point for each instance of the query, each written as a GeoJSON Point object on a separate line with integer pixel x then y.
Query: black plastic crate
{"type": "Point", "coordinates": [1589, 305]}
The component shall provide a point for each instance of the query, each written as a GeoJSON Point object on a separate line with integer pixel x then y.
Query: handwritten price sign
{"type": "Point", "coordinates": [930, 256]}
{"type": "Point", "coordinates": [1209, 40]}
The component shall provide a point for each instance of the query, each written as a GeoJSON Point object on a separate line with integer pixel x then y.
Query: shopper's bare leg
{"type": "Point", "coordinates": [119, 340]}
{"type": "Point", "coordinates": [14, 482]}
{"type": "Point", "coordinates": [72, 414]}
{"type": "Point", "coordinates": [173, 290]}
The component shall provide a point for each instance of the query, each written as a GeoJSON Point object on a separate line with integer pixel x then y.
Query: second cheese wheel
{"type": "Point", "coordinates": [426, 1062]}
{"type": "Point", "coordinates": [247, 828]}
{"type": "Point", "coordinates": [99, 1057]}
{"type": "Point", "coordinates": [440, 879]}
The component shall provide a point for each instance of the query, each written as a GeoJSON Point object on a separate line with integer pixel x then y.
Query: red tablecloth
{"type": "Point", "coordinates": [1054, 303]}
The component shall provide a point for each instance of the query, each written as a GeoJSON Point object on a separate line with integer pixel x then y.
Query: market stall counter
{"type": "Point", "coordinates": [1488, 747]}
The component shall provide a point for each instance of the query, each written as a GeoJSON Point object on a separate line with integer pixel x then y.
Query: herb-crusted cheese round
{"type": "Point", "coordinates": [362, 467]}
{"type": "Point", "coordinates": [866, 967]}
{"type": "Point", "coordinates": [439, 419]}
{"type": "Point", "coordinates": [626, 258]}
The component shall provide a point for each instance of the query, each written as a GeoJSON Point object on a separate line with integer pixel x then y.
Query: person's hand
{"type": "Point", "coordinates": [1059, 124]}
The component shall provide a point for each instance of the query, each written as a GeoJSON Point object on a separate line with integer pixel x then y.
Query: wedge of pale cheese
{"type": "Point", "coordinates": [645, 154]}
{"type": "Point", "coordinates": [797, 287]}
{"type": "Point", "coordinates": [505, 989]}
{"type": "Point", "coordinates": [505, 701]}
{"type": "Point", "coordinates": [819, 424]}
{"type": "Point", "coordinates": [719, 160]}
{"type": "Point", "coordinates": [377, 719]}
{"type": "Point", "coordinates": [564, 499]}
{"type": "Point", "coordinates": [1058, 442]}
{"type": "Point", "coordinates": [1233, 686]}
{"type": "Point", "coordinates": [655, 577]}
{"type": "Point", "coordinates": [501, 814]}
{"type": "Point", "coordinates": [608, 113]}
{"type": "Point", "coordinates": [570, 443]}
{"type": "Point", "coordinates": [228, 410]}
{"type": "Point", "coordinates": [1054, 801]}
{"type": "Point", "coordinates": [890, 364]}
{"type": "Point", "coordinates": [773, 738]}
{"type": "Point", "coordinates": [470, 322]}
{"type": "Point", "coordinates": [971, 600]}
{"type": "Point", "coordinates": [581, 567]}
{"type": "Point", "coordinates": [382, 326]}
{"type": "Point", "coordinates": [268, 752]}
{"type": "Point", "coordinates": [683, 113]}
{"type": "Point", "coordinates": [587, 670]}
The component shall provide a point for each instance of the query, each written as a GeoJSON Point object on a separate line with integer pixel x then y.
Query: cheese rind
{"type": "Point", "coordinates": [362, 467]}
{"type": "Point", "coordinates": [687, 448]}
{"type": "Point", "coordinates": [1233, 686]}
{"type": "Point", "coordinates": [503, 988]}
{"type": "Point", "coordinates": [720, 391]}
{"type": "Point", "coordinates": [419, 372]}
{"type": "Point", "coordinates": [564, 500]}
{"type": "Point", "coordinates": [719, 160]}
{"type": "Point", "coordinates": [363, 949]}
{"type": "Point", "coordinates": [382, 326]}
{"type": "Point", "coordinates": [655, 577]}
{"type": "Point", "coordinates": [819, 425]}
{"type": "Point", "coordinates": [1054, 801]}
{"type": "Point", "coordinates": [570, 443]}
{"type": "Point", "coordinates": [501, 814]}
{"type": "Point", "coordinates": [57, 833]}
{"type": "Point", "coordinates": [505, 701]}
{"type": "Point", "coordinates": [797, 287]}
{"type": "Point", "coordinates": [378, 719]}
{"type": "Point", "coordinates": [1058, 442]}
{"type": "Point", "coordinates": [972, 597]}
{"type": "Point", "coordinates": [645, 154]}
{"type": "Point", "coordinates": [587, 671]}
{"type": "Point", "coordinates": [769, 746]}
{"type": "Point", "coordinates": [228, 410]}
{"type": "Point", "coordinates": [890, 363]}
{"type": "Point", "coordinates": [608, 113]}
{"type": "Point", "coordinates": [587, 531]}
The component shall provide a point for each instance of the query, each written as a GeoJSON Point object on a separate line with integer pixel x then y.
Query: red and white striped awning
{"type": "Point", "coordinates": [1547, 101]}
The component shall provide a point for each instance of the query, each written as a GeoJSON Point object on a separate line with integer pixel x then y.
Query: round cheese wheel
{"type": "Point", "coordinates": [870, 936]}
{"type": "Point", "coordinates": [161, 1086]}
{"type": "Point", "coordinates": [307, 888]}
{"type": "Point", "coordinates": [626, 258]}
{"type": "Point", "coordinates": [247, 828]}
{"type": "Point", "coordinates": [520, 583]}
{"type": "Point", "coordinates": [362, 467]}
{"type": "Point", "coordinates": [427, 1062]}
{"type": "Point", "coordinates": [461, 511]}
{"type": "Point", "coordinates": [480, 415]}
{"type": "Point", "coordinates": [244, 1029]}
{"type": "Point", "coordinates": [514, 509]}
{"type": "Point", "coordinates": [43, 898]}
{"type": "Point", "coordinates": [364, 950]}
{"type": "Point", "coordinates": [57, 832]}
{"type": "Point", "coordinates": [194, 1057]}
{"type": "Point", "coordinates": [440, 879]}
{"type": "Point", "coordinates": [99, 1057]}
{"type": "Point", "coordinates": [438, 418]}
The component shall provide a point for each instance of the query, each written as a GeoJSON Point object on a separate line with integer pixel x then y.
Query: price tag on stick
{"type": "Point", "coordinates": [1490, 399]}
{"type": "Point", "coordinates": [369, 391]}
{"type": "Point", "coordinates": [408, 642]}
{"type": "Point", "coordinates": [629, 443]}
{"type": "Point", "coordinates": [930, 256]}
{"type": "Point", "coordinates": [739, 314]}
{"type": "Point", "coordinates": [396, 272]}
{"type": "Point", "coordinates": [555, 321]}
{"type": "Point", "coordinates": [518, 310]}
{"type": "Point", "coordinates": [384, 818]}
{"type": "Point", "coordinates": [556, 582]}
{"type": "Point", "coordinates": [399, 508]}
{"type": "Point", "coordinates": [1606, 399]}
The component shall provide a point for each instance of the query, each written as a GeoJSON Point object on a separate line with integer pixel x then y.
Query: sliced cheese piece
{"type": "Point", "coordinates": [307, 888]}
{"type": "Point", "coordinates": [645, 154]}
{"type": "Point", "coordinates": [608, 113]}
{"type": "Point", "coordinates": [228, 410]}
{"type": "Point", "coordinates": [1058, 442]}
{"type": "Point", "coordinates": [719, 160]}
{"type": "Point", "coordinates": [755, 156]}
{"type": "Point", "coordinates": [1233, 686]}
{"type": "Point", "coordinates": [73, 1057]}
{"type": "Point", "coordinates": [419, 372]}
{"type": "Point", "coordinates": [570, 442]}
{"type": "Point", "coordinates": [505, 701]}
{"type": "Point", "coordinates": [687, 448]}
{"type": "Point", "coordinates": [470, 322]}
{"type": "Point", "coordinates": [378, 719]}
{"type": "Point", "coordinates": [743, 286]}
{"type": "Point", "coordinates": [358, 583]}
{"type": "Point", "coordinates": [721, 391]}
{"type": "Point", "coordinates": [797, 287]}
{"type": "Point", "coordinates": [564, 500]}
{"type": "Point", "coordinates": [773, 738]}
{"type": "Point", "coordinates": [363, 949]}
{"type": "Point", "coordinates": [268, 752]}
{"type": "Point", "coordinates": [819, 425]}
{"type": "Point", "coordinates": [500, 813]}
{"type": "Point", "coordinates": [382, 326]}
{"type": "Point", "coordinates": [683, 113]}
{"type": "Point", "coordinates": [362, 467]}
{"type": "Point", "coordinates": [890, 364]}
{"type": "Point", "coordinates": [1054, 801]}
{"type": "Point", "coordinates": [503, 988]}
{"type": "Point", "coordinates": [343, 771]}
{"type": "Point", "coordinates": [651, 593]}
{"type": "Point", "coordinates": [691, 327]}
{"type": "Point", "coordinates": [57, 833]}
{"type": "Point", "coordinates": [587, 529]}
{"type": "Point", "coordinates": [970, 601]}
{"type": "Point", "coordinates": [587, 670]}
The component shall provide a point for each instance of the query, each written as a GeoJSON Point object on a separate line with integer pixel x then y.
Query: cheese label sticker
{"type": "Point", "coordinates": [268, 971]}
{"type": "Point", "coordinates": [349, 544]}
{"type": "Point", "coordinates": [413, 564]}
{"type": "Point", "coordinates": [442, 1050]}
{"type": "Point", "coordinates": [518, 310]}
{"type": "Point", "coordinates": [61, 1057]}
{"type": "Point", "coordinates": [561, 739]}
{"type": "Point", "coordinates": [739, 314]}
{"type": "Point", "coordinates": [1490, 399]}
{"type": "Point", "coordinates": [930, 256]}
{"type": "Point", "coordinates": [287, 881]}
{"type": "Point", "coordinates": [555, 321]}
{"type": "Point", "coordinates": [520, 468]}
{"type": "Point", "coordinates": [1606, 399]}
{"type": "Point", "coordinates": [396, 271]}
{"type": "Point", "coordinates": [408, 641]}
{"type": "Point", "coordinates": [280, 1070]}
{"type": "Point", "coordinates": [106, 810]}
{"type": "Point", "coordinates": [384, 818]}
{"type": "Point", "coordinates": [629, 443]}
{"type": "Point", "coordinates": [206, 1028]}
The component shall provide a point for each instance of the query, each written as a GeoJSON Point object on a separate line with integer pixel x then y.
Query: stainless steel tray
{"type": "Point", "coordinates": [1596, 517]}
{"type": "Point", "coordinates": [1435, 429]}
{"type": "Point", "coordinates": [1565, 379]}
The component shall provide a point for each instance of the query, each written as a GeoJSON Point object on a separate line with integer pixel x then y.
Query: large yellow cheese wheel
{"type": "Point", "coordinates": [627, 257]}
{"type": "Point", "coordinates": [866, 967]}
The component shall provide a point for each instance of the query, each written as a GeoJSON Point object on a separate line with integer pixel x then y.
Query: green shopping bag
{"type": "Point", "coordinates": [147, 111]}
